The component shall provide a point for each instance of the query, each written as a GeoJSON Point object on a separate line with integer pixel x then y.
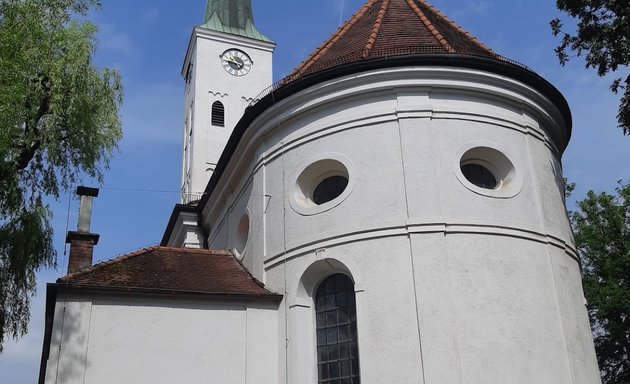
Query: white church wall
{"type": "Point", "coordinates": [575, 325]}
{"type": "Point", "coordinates": [550, 185]}
{"type": "Point", "coordinates": [401, 135]}
{"type": "Point", "coordinates": [148, 340]}
{"type": "Point", "coordinates": [497, 301]}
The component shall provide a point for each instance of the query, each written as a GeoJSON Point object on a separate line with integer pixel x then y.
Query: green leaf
{"type": "Point", "coordinates": [59, 122]}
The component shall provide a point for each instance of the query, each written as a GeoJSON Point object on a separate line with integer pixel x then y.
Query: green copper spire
{"type": "Point", "coordinates": [232, 16]}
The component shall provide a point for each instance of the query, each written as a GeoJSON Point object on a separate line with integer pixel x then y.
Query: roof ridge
{"type": "Point", "coordinates": [195, 250]}
{"type": "Point", "coordinates": [459, 28]}
{"type": "Point", "coordinates": [105, 263]}
{"type": "Point", "coordinates": [341, 31]}
{"type": "Point", "coordinates": [378, 23]}
{"type": "Point", "coordinates": [432, 28]}
{"type": "Point", "coordinates": [137, 253]}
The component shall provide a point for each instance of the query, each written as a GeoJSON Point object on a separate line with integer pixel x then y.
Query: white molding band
{"type": "Point", "coordinates": [416, 227]}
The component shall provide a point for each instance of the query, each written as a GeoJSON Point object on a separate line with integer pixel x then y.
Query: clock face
{"type": "Point", "coordinates": [236, 62]}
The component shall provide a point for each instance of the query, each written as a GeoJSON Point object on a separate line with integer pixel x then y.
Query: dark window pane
{"type": "Point", "coordinates": [329, 189]}
{"type": "Point", "coordinates": [344, 350]}
{"type": "Point", "coordinates": [479, 175]}
{"type": "Point", "coordinates": [321, 337]}
{"type": "Point", "coordinates": [346, 368]}
{"type": "Point", "coordinates": [323, 371]}
{"type": "Point", "coordinates": [331, 335]}
{"type": "Point", "coordinates": [319, 302]}
{"type": "Point", "coordinates": [322, 354]}
{"type": "Point", "coordinates": [321, 318]}
{"type": "Point", "coordinates": [330, 301]}
{"type": "Point", "coordinates": [355, 368]}
{"type": "Point", "coordinates": [344, 333]}
{"type": "Point", "coordinates": [353, 331]}
{"type": "Point", "coordinates": [333, 370]}
{"type": "Point", "coordinates": [342, 316]}
{"type": "Point", "coordinates": [337, 348]}
{"type": "Point", "coordinates": [333, 352]}
{"type": "Point", "coordinates": [341, 299]}
{"type": "Point", "coordinates": [331, 318]}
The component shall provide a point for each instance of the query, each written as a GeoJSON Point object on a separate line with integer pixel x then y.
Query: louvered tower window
{"type": "Point", "coordinates": [218, 114]}
{"type": "Point", "coordinates": [337, 346]}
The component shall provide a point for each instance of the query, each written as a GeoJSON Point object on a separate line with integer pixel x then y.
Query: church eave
{"type": "Point", "coordinates": [129, 291]}
{"type": "Point", "coordinates": [292, 85]}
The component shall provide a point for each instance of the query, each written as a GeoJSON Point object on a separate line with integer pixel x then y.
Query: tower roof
{"type": "Point", "coordinates": [385, 28]}
{"type": "Point", "coordinates": [232, 16]}
{"type": "Point", "coordinates": [388, 34]}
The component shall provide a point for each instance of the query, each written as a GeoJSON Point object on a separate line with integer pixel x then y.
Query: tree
{"type": "Point", "coordinates": [603, 37]}
{"type": "Point", "coordinates": [59, 122]}
{"type": "Point", "coordinates": [602, 234]}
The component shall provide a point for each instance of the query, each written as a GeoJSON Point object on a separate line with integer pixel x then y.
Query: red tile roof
{"type": "Point", "coordinates": [385, 28]}
{"type": "Point", "coordinates": [172, 269]}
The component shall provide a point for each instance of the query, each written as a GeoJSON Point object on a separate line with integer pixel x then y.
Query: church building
{"type": "Point", "coordinates": [392, 211]}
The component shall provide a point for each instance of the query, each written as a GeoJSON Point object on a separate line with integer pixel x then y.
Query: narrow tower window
{"type": "Point", "coordinates": [337, 346]}
{"type": "Point", "coordinates": [218, 114]}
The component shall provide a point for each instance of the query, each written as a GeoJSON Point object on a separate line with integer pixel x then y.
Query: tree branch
{"type": "Point", "coordinates": [27, 152]}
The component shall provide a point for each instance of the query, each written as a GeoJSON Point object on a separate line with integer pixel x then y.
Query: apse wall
{"type": "Point", "coordinates": [454, 282]}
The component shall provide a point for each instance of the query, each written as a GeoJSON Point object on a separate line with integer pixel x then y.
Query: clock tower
{"type": "Point", "coordinates": [228, 63]}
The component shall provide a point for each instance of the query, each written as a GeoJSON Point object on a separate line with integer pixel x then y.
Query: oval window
{"type": "Point", "coordinates": [322, 184]}
{"type": "Point", "coordinates": [486, 170]}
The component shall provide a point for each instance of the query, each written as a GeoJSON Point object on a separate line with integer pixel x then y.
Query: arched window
{"type": "Point", "coordinates": [337, 346]}
{"type": "Point", "coordinates": [218, 114]}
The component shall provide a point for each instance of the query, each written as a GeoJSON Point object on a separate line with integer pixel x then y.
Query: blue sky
{"type": "Point", "coordinates": [147, 39]}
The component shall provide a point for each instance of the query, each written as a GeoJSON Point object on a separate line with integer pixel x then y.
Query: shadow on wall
{"type": "Point", "coordinates": [556, 170]}
{"type": "Point", "coordinates": [69, 342]}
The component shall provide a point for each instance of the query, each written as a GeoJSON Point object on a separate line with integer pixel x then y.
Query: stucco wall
{"type": "Point", "coordinates": [143, 340]}
{"type": "Point", "coordinates": [454, 283]}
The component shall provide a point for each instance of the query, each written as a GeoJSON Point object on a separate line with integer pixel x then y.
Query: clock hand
{"type": "Point", "coordinates": [231, 60]}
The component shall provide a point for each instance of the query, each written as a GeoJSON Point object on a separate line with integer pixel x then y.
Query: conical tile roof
{"type": "Point", "coordinates": [385, 28]}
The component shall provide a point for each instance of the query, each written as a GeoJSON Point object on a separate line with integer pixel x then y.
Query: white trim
{"type": "Point", "coordinates": [405, 229]}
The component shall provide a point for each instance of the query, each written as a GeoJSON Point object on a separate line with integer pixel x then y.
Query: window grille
{"type": "Point", "coordinates": [337, 346]}
{"type": "Point", "coordinates": [218, 114]}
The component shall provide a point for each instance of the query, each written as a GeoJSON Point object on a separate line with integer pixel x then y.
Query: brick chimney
{"type": "Point", "coordinates": [82, 241]}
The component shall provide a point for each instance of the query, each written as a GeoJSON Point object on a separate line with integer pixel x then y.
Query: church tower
{"type": "Point", "coordinates": [228, 63]}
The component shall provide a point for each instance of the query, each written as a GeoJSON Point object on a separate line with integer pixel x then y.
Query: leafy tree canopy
{"type": "Point", "coordinates": [602, 234]}
{"type": "Point", "coordinates": [59, 121]}
{"type": "Point", "coordinates": [603, 38]}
